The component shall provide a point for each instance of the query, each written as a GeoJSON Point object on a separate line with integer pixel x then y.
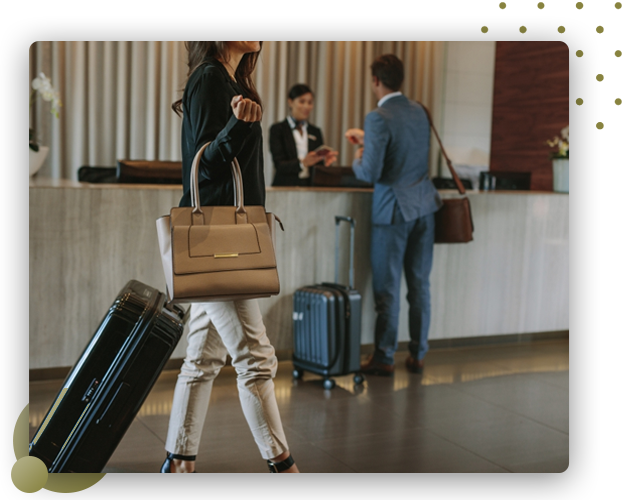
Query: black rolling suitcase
{"type": "Point", "coordinates": [106, 388]}
{"type": "Point", "coordinates": [326, 324]}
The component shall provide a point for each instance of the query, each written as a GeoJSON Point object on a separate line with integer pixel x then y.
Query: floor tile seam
{"type": "Point", "coordinates": [551, 384]}
{"type": "Point", "coordinates": [500, 366]}
{"type": "Point", "coordinates": [433, 433]}
{"type": "Point", "coordinates": [289, 429]}
{"type": "Point", "coordinates": [517, 355]}
{"type": "Point", "coordinates": [493, 364]}
{"type": "Point", "coordinates": [417, 426]}
{"type": "Point", "coordinates": [467, 449]}
{"type": "Point", "coordinates": [517, 343]}
{"type": "Point", "coordinates": [317, 442]}
{"type": "Point", "coordinates": [528, 372]}
{"type": "Point", "coordinates": [481, 357]}
{"type": "Point", "coordinates": [504, 363]}
{"type": "Point", "coordinates": [150, 430]}
{"type": "Point", "coordinates": [516, 413]}
{"type": "Point", "coordinates": [370, 400]}
{"type": "Point", "coordinates": [533, 375]}
{"type": "Point", "coordinates": [325, 452]}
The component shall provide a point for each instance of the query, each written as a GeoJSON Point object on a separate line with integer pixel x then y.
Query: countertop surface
{"type": "Point", "coordinates": [44, 182]}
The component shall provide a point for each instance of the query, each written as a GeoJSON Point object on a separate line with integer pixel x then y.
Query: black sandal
{"type": "Point", "coordinates": [280, 466]}
{"type": "Point", "coordinates": [166, 467]}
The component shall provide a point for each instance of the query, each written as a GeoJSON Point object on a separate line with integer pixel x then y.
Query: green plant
{"type": "Point", "coordinates": [562, 143]}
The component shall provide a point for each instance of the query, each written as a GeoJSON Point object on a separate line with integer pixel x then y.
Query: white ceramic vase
{"type": "Point", "coordinates": [561, 175]}
{"type": "Point", "coordinates": [36, 159]}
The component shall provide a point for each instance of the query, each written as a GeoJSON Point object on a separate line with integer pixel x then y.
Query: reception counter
{"type": "Point", "coordinates": [88, 240]}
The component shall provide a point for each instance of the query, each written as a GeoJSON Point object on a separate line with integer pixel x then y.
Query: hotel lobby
{"type": "Point", "coordinates": [494, 392]}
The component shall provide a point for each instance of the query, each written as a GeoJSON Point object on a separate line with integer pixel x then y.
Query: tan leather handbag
{"type": "Point", "coordinates": [453, 221]}
{"type": "Point", "coordinates": [218, 253]}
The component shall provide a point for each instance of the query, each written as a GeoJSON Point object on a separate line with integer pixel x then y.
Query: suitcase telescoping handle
{"type": "Point", "coordinates": [352, 223]}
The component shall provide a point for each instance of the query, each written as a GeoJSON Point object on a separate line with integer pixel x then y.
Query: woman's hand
{"type": "Point", "coordinates": [356, 136]}
{"type": "Point", "coordinates": [330, 158]}
{"type": "Point", "coordinates": [245, 109]}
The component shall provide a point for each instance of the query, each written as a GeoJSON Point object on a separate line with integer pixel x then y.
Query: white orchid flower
{"type": "Point", "coordinates": [41, 83]}
{"type": "Point", "coordinates": [43, 86]}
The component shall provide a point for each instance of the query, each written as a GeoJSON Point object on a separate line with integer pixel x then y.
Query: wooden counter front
{"type": "Point", "coordinates": [88, 240]}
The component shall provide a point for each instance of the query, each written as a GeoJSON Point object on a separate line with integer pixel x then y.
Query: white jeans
{"type": "Point", "coordinates": [215, 330]}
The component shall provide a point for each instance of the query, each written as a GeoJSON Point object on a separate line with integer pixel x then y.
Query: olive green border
{"type": "Point", "coordinates": [613, 130]}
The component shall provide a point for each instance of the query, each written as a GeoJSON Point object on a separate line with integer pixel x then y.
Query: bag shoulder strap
{"type": "Point", "coordinates": [459, 184]}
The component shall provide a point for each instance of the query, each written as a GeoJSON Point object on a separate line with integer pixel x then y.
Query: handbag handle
{"type": "Point", "coordinates": [237, 180]}
{"type": "Point", "coordinates": [459, 184]}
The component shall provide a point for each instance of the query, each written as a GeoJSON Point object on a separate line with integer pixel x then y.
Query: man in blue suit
{"type": "Point", "coordinates": [396, 140]}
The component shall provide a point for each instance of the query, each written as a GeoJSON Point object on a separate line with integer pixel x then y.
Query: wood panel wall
{"type": "Point", "coordinates": [530, 105]}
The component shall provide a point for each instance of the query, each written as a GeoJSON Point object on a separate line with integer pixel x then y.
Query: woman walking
{"type": "Point", "coordinates": [220, 105]}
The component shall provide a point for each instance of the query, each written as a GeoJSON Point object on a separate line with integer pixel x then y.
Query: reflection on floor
{"type": "Point", "coordinates": [478, 409]}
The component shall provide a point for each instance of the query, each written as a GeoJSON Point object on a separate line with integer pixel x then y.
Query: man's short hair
{"type": "Point", "coordinates": [389, 69]}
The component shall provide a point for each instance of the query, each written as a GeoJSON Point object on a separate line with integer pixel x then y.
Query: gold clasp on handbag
{"type": "Point", "coordinates": [225, 255]}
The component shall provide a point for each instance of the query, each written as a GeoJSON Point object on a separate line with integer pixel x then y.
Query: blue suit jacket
{"type": "Point", "coordinates": [395, 160]}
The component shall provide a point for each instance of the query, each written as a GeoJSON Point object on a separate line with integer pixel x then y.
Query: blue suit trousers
{"type": "Point", "coordinates": [408, 245]}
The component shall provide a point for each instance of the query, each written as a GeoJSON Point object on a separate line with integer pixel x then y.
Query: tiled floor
{"type": "Point", "coordinates": [479, 409]}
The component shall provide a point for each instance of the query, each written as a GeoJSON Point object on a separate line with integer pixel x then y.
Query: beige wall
{"type": "Point", "coordinates": [468, 96]}
{"type": "Point", "coordinates": [467, 106]}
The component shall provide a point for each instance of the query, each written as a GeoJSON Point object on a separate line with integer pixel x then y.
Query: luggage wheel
{"type": "Point", "coordinates": [359, 378]}
{"type": "Point", "coordinates": [298, 373]}
{"type": "Point", "coordinates": [328, 383]}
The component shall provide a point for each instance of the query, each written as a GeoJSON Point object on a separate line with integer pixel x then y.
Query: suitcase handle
{"type": "Point", "coordinates": [352, 223]}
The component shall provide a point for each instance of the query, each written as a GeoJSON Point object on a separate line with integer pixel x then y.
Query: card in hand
{"type": "Point", "coordinates": [323, 150]}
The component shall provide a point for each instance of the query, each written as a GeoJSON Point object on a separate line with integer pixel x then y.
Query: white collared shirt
{"type": "Point", "coordinates": [387, 97]}
{"type": "Point", "coordinates": [301, 144]}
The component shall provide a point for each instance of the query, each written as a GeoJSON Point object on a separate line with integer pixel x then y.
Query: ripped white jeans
{"type": "Point", "coordinates": [215, 330]}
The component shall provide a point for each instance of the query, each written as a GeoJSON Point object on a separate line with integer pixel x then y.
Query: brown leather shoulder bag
{"type": "Point", "coordinates": [454, 223]}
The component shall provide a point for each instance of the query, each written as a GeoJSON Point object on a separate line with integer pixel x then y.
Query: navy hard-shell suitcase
{"type": "Point", "coordinates": [105, 389]}
{"type": "Point", "coordinates": [327, 323]}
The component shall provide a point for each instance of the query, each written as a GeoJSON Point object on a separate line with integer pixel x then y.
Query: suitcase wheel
{"type": "Point", "coordinates": [359, 379]}
{"type": "Point", "coordinates": [298, 373]}
{"type": "Point", "coordinates": [328, 384]}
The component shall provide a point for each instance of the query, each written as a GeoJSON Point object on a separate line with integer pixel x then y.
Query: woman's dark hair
{"type": "Point", "coordinates": [300, 89]}
{"type": "Point", "coordinates": [198, 52]}
{"type": "Point", "coordinates": [389, 70]}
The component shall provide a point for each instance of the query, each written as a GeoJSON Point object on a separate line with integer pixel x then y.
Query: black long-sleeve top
{"type": "Point", "coordinates": [208, 116]}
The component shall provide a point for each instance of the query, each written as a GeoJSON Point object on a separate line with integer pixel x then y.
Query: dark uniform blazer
{"type": "Point", "coordinates": [208, 116]}
{"type": "Point", "coordinates": [284, 153]}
